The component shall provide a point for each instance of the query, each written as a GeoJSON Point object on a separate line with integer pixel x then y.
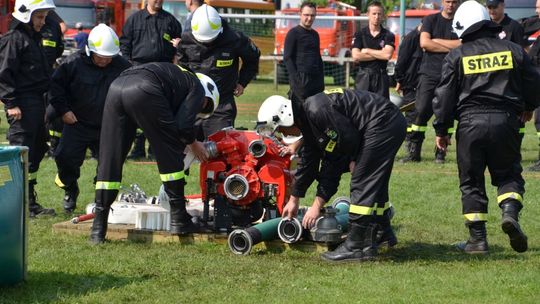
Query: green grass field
{"type": "Point", "coordinates": [423, 268]}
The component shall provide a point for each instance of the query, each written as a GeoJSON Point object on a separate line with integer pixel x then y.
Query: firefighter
{"type": "Point", "coordinates": [163, 99]}
{"type": "Point", "coordinates": [77, 93]}
{"type": "Point", "coordinates": [372, 47]}
{"type": "Point", "coordinates": [149, 35]}
{"type": "Point", "coordinates": [362, 126]}
{"type": "Point", "coordinates": [437, 38]}
{"type": "Point", "coordinates": [486, 85]}
{"type": "Point", "coordinates": [215, 49]}
{"type": "Point", "coordinates": [406, 73]}
{"type": "Point", "coordinates": [24, 78]}
{"type": "Point", "coordinates": [302, 57]}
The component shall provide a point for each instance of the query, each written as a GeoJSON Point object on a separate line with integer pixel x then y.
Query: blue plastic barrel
{"type": "Point", "coordinates": [13, 209]}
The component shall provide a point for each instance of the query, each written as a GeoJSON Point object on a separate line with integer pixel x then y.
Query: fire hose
{"type": "Point", "coordinates": [241, 241]}
{"type": "Point", "coordinates": [82, 218]}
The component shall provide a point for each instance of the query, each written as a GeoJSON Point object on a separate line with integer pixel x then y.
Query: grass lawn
{"type": "Point", "coordinates": [423, 268]}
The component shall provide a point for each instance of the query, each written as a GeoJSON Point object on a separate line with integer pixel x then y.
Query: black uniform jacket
{"type": "Point", "coordinates": [485, 75]}
{"type": "Point", "coordinates": [78, 85]}
{"type": "Point", "coordinates": [409, 60]}
{"type": "Point", "coordinates": [336, 121]}
{"type": "Point", "coordinates": [23, 66]}
{"type": "Point", "coordinates": [53, 39]}
{"type": "Point", "coordinates": [219, 59]}
{"type": "Point", "coordinates": [147, 38]}
{"type": "Point", "coordinates": [181, 87]}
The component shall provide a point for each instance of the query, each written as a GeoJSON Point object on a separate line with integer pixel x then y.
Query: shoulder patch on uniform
{"type": "Point", "coordinates": [333, 91]}
{"type": "Point", "coordinates": [487, 63]}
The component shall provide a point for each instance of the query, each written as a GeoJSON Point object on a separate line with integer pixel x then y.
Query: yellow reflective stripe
{"type": "Point", "coordinates": [167, 37]}
{"type": "Point", "coordinates": [476, 217]}
{"type": "Point", "coordinates": [513, 195]}
{"type": "Point", "coordinates": [330, 146]}
{"type": "Point", "coordinates": [409, 129]}
{"type": "Point", "coordinates": [487, 63]}
{"type": "Point", "coordinates": [55, 134]}
{"type": "Point", "coordinates": [538, 134]}
{"type": "Point", "coordinates": [224, 63]}
{"type": "Point", "coordinates": [417, 128]}
{"type": "Point", "coordinates": [169, 177]}
{"type": "Point", "coordinates": [96, 43]}
{"type": "Point", "coordinates": [107, 185]}
{"type": "Point", "coordinates": [362, 210]}
{"type": "Point", "coordinates": [451, 130]}
{"type": "Point", "coordinates": [32, 175]}
{"type": "Point", "coordinates": [58, 181]}
{"type": "Point", "coordinates": [49, 43]}
{"type": "Point", "coordinates": [35, 2]}
{"type": "Point", "coordinates": [522, 130]}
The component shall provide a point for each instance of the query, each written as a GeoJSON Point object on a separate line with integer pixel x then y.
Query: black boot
{"type": "Point", "coordinates": [510, 225]}
{"type": "Point", "coordinates": [34, 208]}
{"type": "Point", "coordinates": [181, 223]}
{"type": "Point", "coordinates": [385, 234]}
{"type": "Point", "coordinates": [359, 245]}
{"type": "Point", "coordinates": [70, 198]}
{"type": "Point", "coordinates": [415, 151]}
{"type": "Point", "coordinates": [477, 242]}
{"type": "Point", "coordinates": [99, 226]}
{"type": "Point", "coordinates": [138, 148]}
{"type": "Point", "coordinates": [440, 156]}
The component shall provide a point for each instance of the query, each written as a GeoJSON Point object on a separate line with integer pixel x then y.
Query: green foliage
{"type": "Point", "coordinates": [423, 268]}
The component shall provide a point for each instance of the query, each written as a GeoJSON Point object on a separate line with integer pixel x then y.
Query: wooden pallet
{"type": "Point", "coordinates": [130, 233]}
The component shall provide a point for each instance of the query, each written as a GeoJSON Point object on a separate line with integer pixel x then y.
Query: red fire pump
{"type": "Point", "coordinates": [245, 175]}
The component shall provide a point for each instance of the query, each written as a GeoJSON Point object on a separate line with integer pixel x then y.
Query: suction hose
{"type": "Point", "coordinates": [241, 241]}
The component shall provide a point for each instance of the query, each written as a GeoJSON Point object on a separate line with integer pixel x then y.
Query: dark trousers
{"type": "Point", "coordinates": [223, 117]}
{"type": "Point", "coordinates": [424, 106]}
{"type": "Point", "coordinates": [71, 151]}
{"type": "Point", "coordinates": [30, 131]}
{"type": "Point", "coordinates": [375, 81]}
{"type": "Point", "coordinates": [409, 95]}
{"type": "Point", "coordinates": [134, 101]}
{"type": "Point", "coordinates": [371, 175]}
{"type": "Point", "coordinates": [488, 140]}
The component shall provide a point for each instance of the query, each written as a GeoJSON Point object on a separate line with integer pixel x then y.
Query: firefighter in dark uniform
{"type": "Point", "coordinates": [24, 78]}
{"type": "Point", "coordinates": [437, 38]}
{"type": "Point", "coordinates": [77, 93]}
{"type": "Point", "coordinates": [149, 35]}
{"type": "Point", "coordinates": [486, 86]}
{"type": "Point", "coordinates": [53, 44]}
{"type": "Point", "coordinates": [361, 125]}
{"type": "Point", "coordinates": [406, 73]}
{"type": "Point", "coordinates": [302, 57]}
{"type": "Point", "coordinates": [372, 47]}
{"type": "Point", "coordinates": [163, 99]}
{"type": "Point", "coordinates": [215, 49]}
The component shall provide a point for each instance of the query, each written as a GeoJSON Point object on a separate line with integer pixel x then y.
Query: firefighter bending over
{"type": "Point", "coordinates": [164, 100]}
{"type": "Point", "coordinates": [487, 84]}
{"type": "Point", "coordinates": [365, 128]}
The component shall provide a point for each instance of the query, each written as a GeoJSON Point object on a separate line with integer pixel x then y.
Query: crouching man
{"type": "Point", "coordinates": [365, 128]}
{"type": "Point", "coordinates": [164, 100]}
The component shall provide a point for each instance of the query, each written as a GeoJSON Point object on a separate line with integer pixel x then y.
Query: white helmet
{"type": "Point", "coordinates": [206, 23]}
{"type": "Point", "coordinates": [103, 41]}
{"type": "Point", "coordinates": [24, 8]}
{"type": "Point", "coordinates": [274, 112]}
{"type": "Point", "coordinates": [210, 91]}
{"type": "Point", "coordinates": [468, 14]}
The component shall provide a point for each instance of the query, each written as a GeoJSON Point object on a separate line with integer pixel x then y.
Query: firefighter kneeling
{"type": "Point", "coordinates": [487, 84]}
{"type": "Point", "coordinates": [164, 100]}
{"type": "Point", "coordinates": [365, 129]}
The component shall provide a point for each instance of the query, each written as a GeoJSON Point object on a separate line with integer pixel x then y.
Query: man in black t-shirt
{"type": "Point", "coordinates": [437, 39]}
{"type": "Point", "coordinates": [511, 29]}
{"type": "Point", "coordinates": [302, 56]}
{"type": "Point", "coordinates": [372, 48]}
